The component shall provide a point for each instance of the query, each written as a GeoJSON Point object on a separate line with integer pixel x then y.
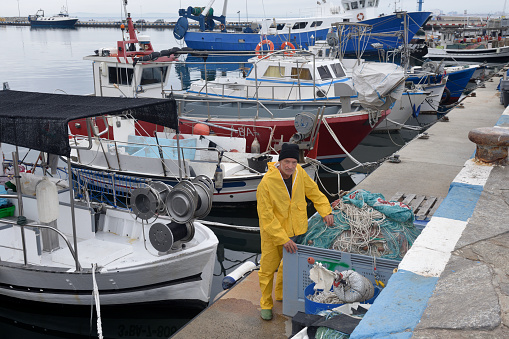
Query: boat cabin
{"type": "Point", "coordinates": [116, 77]}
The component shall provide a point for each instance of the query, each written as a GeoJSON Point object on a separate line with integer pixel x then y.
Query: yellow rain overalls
{"type": "Point", "coordinates": [281, 218]}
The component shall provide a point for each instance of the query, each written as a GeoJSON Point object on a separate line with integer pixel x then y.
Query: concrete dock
{"type": "Point", "coordinates": [454, 281]}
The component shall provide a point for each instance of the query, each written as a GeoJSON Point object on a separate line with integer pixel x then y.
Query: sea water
{"type": "Point", "coordinates": [51, 61]}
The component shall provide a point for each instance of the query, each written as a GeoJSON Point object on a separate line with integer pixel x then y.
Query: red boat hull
{"type": "Point", "coordinates": [349, 128]}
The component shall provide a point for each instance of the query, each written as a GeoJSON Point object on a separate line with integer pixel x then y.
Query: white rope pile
{"type": "Point", "coordinates": [325, 297]}
{"type": "Point", "coordinates": [364, 229]}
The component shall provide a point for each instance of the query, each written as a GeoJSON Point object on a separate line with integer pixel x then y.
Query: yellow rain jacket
{"type": "Point", "coordinates": [281, 218]}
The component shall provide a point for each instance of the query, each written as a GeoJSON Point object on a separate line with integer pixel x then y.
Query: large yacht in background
{"type": "Point", "coordinates": [302, 32]}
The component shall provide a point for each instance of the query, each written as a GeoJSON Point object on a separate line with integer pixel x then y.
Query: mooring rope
{"type": "Point", "coordinates": [95, 294]}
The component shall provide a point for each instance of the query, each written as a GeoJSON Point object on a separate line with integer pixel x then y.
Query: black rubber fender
{"type": "Point", "coordinates": [446, 96]}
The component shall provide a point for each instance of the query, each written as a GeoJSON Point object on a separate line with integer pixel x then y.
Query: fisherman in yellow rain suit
{"type": "Point", "coordinates": [281, 202]}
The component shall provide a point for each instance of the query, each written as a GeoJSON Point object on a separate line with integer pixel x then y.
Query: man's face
{"type": "Point", "coordinates": [287, 167]}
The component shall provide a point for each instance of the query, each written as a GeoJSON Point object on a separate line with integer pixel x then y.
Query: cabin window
{"type": "Point", "coordinates": [338, 70]}
{"type": "Point", "coordinates": [120, 75]}
{"type": "Point", "coordinates": [280, 26]}
{"type": "Point", "coordinates": [316, 23]}
{"type": "Point", "coordinates": [324, 72]}
{"type": "Point", "coordinates": [354, 5]}
{"type": "Point", "coordinates": [347, 6]}
{"type": "Point", "coordinates": [361, 3]}
{"type": "Point", "coordinates": [371, 3]}
{"type": "Point", "coordinates": [301, 73]}
{"type": "Point", "coordinates": [376, 2]}
{"type": "Point", "coordinates": [274, 72]}
{"type": "Point", "coordinates": [154, 75]}
{"type": "Point", "coordinates": [300, 25]}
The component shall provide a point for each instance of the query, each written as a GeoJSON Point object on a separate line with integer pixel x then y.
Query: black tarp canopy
{"type": "Point", "coordinates": [39, 120]}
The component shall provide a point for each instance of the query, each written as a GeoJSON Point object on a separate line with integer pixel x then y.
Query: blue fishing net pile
{"type": "Point", "coordinates": [397, 229]}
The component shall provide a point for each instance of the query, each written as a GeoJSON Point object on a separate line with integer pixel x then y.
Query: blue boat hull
{"type": "Point", "coordinates": [246, 42]}
{"type": "Point", "coordinates": [456, 83]}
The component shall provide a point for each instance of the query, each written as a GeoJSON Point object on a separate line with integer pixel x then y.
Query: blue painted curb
{"type": "Point", "coordinates": [398, 308]}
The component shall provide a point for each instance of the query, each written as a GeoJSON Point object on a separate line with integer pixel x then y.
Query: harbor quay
{"type": "Point", "coordinates": [454, 281]}
{"type": "Point", "coordinates": [22, 21]}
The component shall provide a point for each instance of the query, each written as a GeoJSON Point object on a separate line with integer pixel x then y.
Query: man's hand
{"type": "Point", "coordinates": [328, 220]}
{"type": "Point", "coordinates": [290, 246]}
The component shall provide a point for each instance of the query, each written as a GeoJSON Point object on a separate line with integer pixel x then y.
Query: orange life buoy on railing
{"type": "Point", "coordinates": [260, 44]}
{"type": "Point", "coordinates": [360, 16]}
{"type": "Point", "coordinates": [290, 46]}
{"type": "Point", "coordinates": [221, 27]}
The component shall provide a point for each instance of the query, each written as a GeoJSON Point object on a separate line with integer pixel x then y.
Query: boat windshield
{"type": "Point", "coordinates": [153, 75]}
{"type": "Point", "coordinates": [274, 72]}
{"type": "Point", "coordinates": [120, 75]}
{"type": "Point", "coordinates": [338, 70]}
{"type": "Point", "coordinates": [301, 73]}
{"type": "Point", "coordinates": [324, 72]}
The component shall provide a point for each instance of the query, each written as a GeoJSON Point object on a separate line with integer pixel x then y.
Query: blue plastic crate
{"type": "Point", "coordinates": [296, 271]}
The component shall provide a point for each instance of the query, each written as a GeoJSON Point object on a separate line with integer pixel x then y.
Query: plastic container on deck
{"type": "Point", "coordinates": [296, 271]}
{"type": "Point", "coordinates": [259, 164]}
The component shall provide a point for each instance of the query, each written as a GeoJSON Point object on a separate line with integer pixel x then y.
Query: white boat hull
{"type": "Point", "coordinates": [402, 110]}
{"type": "Point", "coordinates": [481, 55]}
{"type": "Point", "coordinates": [129, 269]}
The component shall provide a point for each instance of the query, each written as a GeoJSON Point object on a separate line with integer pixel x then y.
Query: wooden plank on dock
{"type": "Point", "coordinates": [415, 203]}
{"type": "Point", "coordinates": [408, 198]}
{"type": "Point", "coordinates": [397, 197]}
{"type": "Point", "coordinates": [435, 207]}
{"type": "Point", "coordinates": [422, 206]}
{"type": "Point", "coordinates": [425, 208]}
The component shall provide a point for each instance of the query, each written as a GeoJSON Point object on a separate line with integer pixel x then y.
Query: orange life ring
{"type": "Point", "coordinates": [360, 16]}
{"type": "Point", "coordinates": [290, 46]}
{"type": "Point", "coordinates": [221, 27]}
{"type": "Point", "coordinates": [260, 44]}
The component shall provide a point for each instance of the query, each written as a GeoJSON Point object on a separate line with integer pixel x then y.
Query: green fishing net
{"type": "Point", "coordinates": [365, 223]}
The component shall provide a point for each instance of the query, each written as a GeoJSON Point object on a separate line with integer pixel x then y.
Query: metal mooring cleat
{"type": "Point", "coordinates": [492, 143]}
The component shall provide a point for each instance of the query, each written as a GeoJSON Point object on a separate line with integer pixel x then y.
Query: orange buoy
{"type": "Point", "coordinates": [311, 260]}
{"type": "Point", "coordinates": [201, 129]}
{"type": "Point", "coordinates": [290, 46]}
{"type": "Point", "coordinates": [259, 46]}
{"type": "Point", "coordinates": [180, 136]}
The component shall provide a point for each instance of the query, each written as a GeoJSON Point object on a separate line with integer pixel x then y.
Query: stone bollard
{"type": "Point", "coordinates": [492, 143]}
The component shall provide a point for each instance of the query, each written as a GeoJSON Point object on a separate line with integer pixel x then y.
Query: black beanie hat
{"type": "Point", "coordinates": [289, 151]}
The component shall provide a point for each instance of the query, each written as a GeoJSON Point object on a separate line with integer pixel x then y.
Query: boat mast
{"type": "Point", "coordinates": [419, 2]}
{"type": "Point", "coordinates": [225, 6]}
{"type": "Point", "coordinates": [206, 10]}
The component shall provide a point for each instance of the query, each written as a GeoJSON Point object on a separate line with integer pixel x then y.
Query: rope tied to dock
{"type": "Point", "coordinates": [95, 294]}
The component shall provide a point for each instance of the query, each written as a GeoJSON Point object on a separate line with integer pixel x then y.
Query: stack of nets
{"type": "Point", "coordinates": [365, 223]}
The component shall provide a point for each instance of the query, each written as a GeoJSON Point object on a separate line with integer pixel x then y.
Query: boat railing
{"type": "Point", "coordinates": [31, 225]}
{"type": "Point", "coordinates": [162, 152]}
{"type": "Point", "coordinates": [253, 91]}
{"type": "Point", "coordinates": [22, 221]}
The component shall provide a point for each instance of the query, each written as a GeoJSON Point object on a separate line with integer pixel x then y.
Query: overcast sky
{"type": "Point", "coordinates": [264, 8]}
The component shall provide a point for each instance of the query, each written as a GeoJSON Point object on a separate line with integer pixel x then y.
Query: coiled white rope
{"type": "Point", "coordinates": [95, 294]}
{"type": "Point", "coordinates": [325, 297]}
{"type": "Point", "coordinates": [364, 225]}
